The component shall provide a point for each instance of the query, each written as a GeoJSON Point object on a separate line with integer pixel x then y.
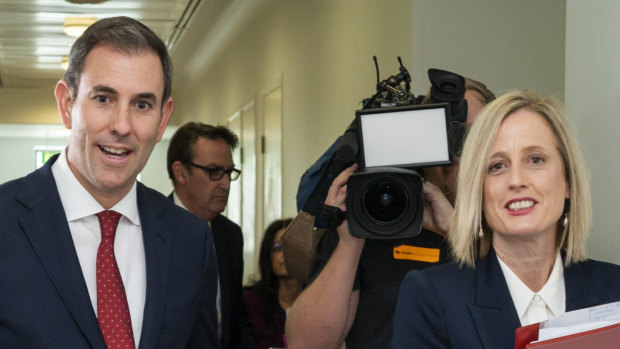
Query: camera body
{"type": "Point", "coordinates": [391, 142]}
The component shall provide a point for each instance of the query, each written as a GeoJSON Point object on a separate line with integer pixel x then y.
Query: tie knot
{"type": "Point", "coordinates": [108, 220]}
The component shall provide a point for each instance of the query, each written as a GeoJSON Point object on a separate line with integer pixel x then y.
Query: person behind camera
{"type": "Point", "coordinates": [518, 235]}
{"type": "Point", "coordinates": [356, 283]}
{"type": "Point", "coordinates": [272, 295]}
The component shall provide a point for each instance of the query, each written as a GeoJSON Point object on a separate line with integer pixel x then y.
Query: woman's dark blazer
{"type": "Point", "coordinates": [459, 307]}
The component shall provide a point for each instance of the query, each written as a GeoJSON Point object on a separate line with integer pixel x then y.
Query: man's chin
{"type": "Point", "coordinates": [219, 207]}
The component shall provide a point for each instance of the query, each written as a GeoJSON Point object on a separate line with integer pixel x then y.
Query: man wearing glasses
{"type": "Point", "coordinates": [201, 167]}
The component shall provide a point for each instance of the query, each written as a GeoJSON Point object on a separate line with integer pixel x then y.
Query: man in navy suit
{"type": "Point", "coordinates": [201, 168]}
{"type": "Point", "coordinates": [115, 99]}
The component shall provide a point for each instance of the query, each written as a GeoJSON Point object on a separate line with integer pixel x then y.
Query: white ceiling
{"type": "Point", "coordinates": [32, 41]}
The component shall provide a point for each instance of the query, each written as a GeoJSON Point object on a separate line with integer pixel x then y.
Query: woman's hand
{"type": "Point", "coordinates": [437, 210]}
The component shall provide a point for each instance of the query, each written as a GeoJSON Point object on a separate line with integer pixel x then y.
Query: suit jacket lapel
{"type": "Point", "coordinates": [48, 231]}
{"type": "Point", "coordinates": [157, 250]}
{"type": "Point", "coordinates": [494, 314]}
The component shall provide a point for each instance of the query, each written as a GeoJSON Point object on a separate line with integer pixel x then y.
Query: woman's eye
{"type": "Point", "coordinates": [496, 167]}
{"type": "Point", "coordinates": [537, 160]}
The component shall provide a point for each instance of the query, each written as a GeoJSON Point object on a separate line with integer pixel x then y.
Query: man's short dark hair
{"type": "Point", "coordinates": [181, 146]}
{"type": "Point", "coordinates": [123, 34]}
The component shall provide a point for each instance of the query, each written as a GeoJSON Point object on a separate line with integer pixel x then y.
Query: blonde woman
{"type": "Point", "coordinates": [518, 235]}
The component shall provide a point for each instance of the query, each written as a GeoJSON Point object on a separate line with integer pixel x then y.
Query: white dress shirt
{"type": "Point", "coordinates": [80, 208]}
{"type": "Point", "coordinates": [533, 307]}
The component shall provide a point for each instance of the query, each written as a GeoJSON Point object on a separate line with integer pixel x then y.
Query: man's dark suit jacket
{"type": "Point", "coordinates": [237, 330]}
{"type": "Point", "coordinates": [44, 301]}
{"type": "Point", "coordinates": [451, 307]}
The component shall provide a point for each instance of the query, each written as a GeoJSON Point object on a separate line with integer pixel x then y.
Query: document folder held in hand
{"type": "Point", "coordinates": [597, 327]}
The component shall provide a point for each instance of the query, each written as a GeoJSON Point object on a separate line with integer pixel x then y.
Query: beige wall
{"type": "Point", "coordinates": [28, 106]}
{"type": "Point", "coordinates": [592, 90]}
{"type": "Point", "coordinates": [322, 49]}
{"type": "Point", "coordinates": [506, 44]}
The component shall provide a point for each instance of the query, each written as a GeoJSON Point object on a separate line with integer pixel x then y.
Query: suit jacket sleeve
{"type": "Point", "coordinates": [418, 321]}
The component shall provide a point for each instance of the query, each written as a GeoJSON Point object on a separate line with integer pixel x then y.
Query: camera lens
{"type": "Point", "coordinates": [384, 201]}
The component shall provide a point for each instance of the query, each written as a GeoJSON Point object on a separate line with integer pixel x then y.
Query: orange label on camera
{"type": "Point", "coordinates": [422, 254]}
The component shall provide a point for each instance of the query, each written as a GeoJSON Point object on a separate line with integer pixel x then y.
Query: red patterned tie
{"type": "Point", "coordinates": [112, 308]}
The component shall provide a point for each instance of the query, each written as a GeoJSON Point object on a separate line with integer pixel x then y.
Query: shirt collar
{"type": "Point", "coordinates": [178, 202]}
{"type": "Point", "coordinates": [553, 292]}
{"type": "Point", "coordinates": [77, 201]}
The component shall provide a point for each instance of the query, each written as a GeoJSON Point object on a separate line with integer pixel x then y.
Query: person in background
{"type": "Point", "coordinates": [92, 258]}
{"type": "Point", "coordinates": [269, 298]}
{"type": "Point", "coordinates": [518, 235]}
{"type": "Point", "coordinates": [355, 286]}
{"type": "Point", "coordinates": [201, 167]}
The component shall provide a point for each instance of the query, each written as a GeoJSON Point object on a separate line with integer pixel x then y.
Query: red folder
{"type": "Point", "coordinates": [526, 335]}
{"type": "Point", "coordinates": [600, 338]}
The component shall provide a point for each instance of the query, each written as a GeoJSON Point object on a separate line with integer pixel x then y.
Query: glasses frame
{"type": "Point", "coordinates": [276, 247]}
{"type": "Point", "coordinates": [233, 173]}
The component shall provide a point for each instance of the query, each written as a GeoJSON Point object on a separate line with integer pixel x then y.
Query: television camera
{"type": "Point", "coordinates": [393, 138]}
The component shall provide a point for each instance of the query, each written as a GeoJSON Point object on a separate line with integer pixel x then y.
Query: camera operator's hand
{"type": "Point", "coordinates": [437, 210]}
{"type": "Point", "coordinates": [336, 196]}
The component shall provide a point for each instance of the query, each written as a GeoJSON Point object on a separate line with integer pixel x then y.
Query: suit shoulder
{"type": "Point", "coordinates": [170, 210]}
{"type": "Point", "coordinates": [449, 271]}
{"type": "Point", "coordinates": [600, 270]}
{"type": "Point", "coordinates": [604, 277]}
{"type": "Point", "coordinates": [444, 276]}
{"type": "Point", "coordinates": [223, 222]}
{"type": "Point", "coordinates": [8, 189]}
{"type": "Point", "coordinates": [596, 268]}
{"type": "Point", "coordinates": [28, 190]}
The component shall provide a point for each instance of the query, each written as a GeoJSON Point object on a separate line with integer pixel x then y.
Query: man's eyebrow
{"type": "Point", "coordinates": [147, 95]}
{"type": "Point", "coordinates": [103, 88]}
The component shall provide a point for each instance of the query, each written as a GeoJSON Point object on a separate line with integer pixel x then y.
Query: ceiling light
{"type": "Point", "coordinates": [87, 1]}
{"type": "Point", "coordinates": [64, 63]}
{"type": "Point", "coordinates": [75, 26]}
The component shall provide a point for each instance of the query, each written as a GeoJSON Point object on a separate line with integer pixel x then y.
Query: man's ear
{"type": "Point", "coordinates": [180, 172]}
{"type": "Point", "coordinates": [64, 100]}
{"type": "Point", "coordinates": [166, 112]}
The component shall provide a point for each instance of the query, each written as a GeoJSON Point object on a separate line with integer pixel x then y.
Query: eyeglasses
{"type": "Point", "coordinates": [216, 172]}
{"type": "Point", "coordinates": [277, 247]}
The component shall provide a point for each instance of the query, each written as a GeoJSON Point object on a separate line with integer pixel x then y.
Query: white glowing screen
{"type": "Point", "coordinates": [405, 138]}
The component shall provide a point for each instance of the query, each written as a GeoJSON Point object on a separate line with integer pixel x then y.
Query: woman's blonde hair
{"type": "Point", "coordinates": [468, 244]}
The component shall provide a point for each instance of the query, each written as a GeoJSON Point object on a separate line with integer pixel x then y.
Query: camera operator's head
{"type": "Point", "coordinates": [477, 96]}
{"type": "Point", "coordinates": [444, 177]}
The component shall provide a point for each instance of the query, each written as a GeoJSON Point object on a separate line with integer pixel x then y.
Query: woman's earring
{"type": "Point", "coordinates": [480, 232]}
{"type": "Point", "coordinates": [565, 221]}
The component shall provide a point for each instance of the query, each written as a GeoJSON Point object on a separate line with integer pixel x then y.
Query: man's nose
{"type": "Point", "coordinates": [224, 182]}
{"type": "Point", "coordinates": [121, 122]}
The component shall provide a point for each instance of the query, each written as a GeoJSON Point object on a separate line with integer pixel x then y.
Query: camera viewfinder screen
{"type": "Point", "coordinates": [412, 136]}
